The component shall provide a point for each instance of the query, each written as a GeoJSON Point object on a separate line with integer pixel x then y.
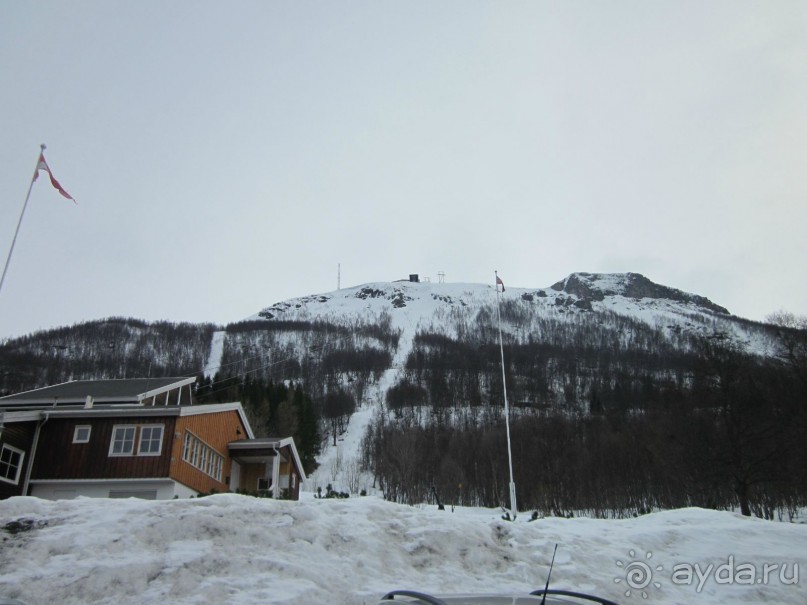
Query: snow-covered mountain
{"type": "Point", "coordinates": [613, 306]}
{"type": "Point", "coordinates": [370, 329]}
{"type": "Point", "coordinates": [613, 334]}
{"type": "Point", "coordinates": [625, 307]}
{"type": "Point", "coordinates": [444, 306]}
{"type": "Point", "coordinates": [417, 357]}
{"type": "Point", "coordinates": [587, 315]}
{"type": "Point", "coordinates": [580, 290]}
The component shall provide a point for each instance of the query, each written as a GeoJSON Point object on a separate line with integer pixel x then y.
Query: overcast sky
{"type": "Point", "coordinates": [229, 155]}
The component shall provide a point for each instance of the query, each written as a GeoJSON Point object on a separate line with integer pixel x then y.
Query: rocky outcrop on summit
{"type": "Point", "coordinates": [596, 286]}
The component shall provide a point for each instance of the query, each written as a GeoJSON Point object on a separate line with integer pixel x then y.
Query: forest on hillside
{"type": "Point", "coordinates": [323, 355]}
{"type": "Point", "coordinates": [298, 378]}
{"type": "Point", "coordinates": [716, 428]}
{"type": "Point", "coordinates": [610, 415]}
{"type": "Point", "coordinates": [109, 348]}
{"type": "Point", "coordinates": [277, 409]}
{"type": "Point", "coordinates": [570, 359]}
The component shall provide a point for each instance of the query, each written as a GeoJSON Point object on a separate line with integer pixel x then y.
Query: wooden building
{"type": "Point", "coordinates": [137, 437]}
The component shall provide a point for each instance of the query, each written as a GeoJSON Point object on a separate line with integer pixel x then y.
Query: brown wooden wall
{"type": "Point", "coordinates": [215, 430]}
{"type": "Point", "coordinates": [57, 457]}
{"type": "Point", "coordinates": [250, 473]}
{"type": "Point", "coordinates": [21, 436]}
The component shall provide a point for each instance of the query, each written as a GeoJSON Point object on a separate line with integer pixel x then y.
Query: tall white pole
{"type": "Point", "coordinates": [513, 507]}
{"type": "Point", "coordinates": [19, 222]}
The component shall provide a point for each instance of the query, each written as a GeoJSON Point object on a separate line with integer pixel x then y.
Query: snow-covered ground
{"type": "Point", "coordinates": [216, 351]}
{"type": "Point", "coordinates": [339, 465]}
{"type": "Point", "coordinates": [240, 550]}
{"type": "Point", "coordinates": [438, 306]}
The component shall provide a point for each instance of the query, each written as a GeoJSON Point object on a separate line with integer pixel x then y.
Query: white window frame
{"type": "Point", "coordinates": [14, 450]}
{"type": "Point", "coordinates": [79, 427]}
{"type": "Point", "coordinates": [202, 457]}
{"type": "Point", "coordinates": [122, 427]}
{"type": "Point", "coordinates": [186, 447]}
{"type": "Point", "coordinates": [204, 460]}
{"type": "Point", "coordinates": [150, 428]}
{"type": "Point", "coordinates": [195, 452]}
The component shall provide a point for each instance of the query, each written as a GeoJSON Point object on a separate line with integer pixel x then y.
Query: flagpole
{"type": "Point", "coordinates": [513, 508]}
{"type": "Point", "coordinates": [19, 222]}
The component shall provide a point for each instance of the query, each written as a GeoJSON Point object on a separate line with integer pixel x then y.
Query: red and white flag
{"type": "Point", "coordinates": [43, 165]}
{"type": "Point", "coordinates": [499, 282]}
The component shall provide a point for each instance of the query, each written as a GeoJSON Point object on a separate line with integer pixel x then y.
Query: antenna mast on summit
{"type": "Point", "coordinates": [339, 276]}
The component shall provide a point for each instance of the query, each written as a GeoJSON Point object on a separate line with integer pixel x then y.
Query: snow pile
{"type": "Point", "coordinates": [235, 549]}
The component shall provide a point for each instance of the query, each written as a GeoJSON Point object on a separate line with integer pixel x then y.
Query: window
{"type": "Point", "coordinates": [10, 464]}
{"type": "Point", "coordinates": [122, 440]}
{"type": "Point", "coordinates": [194, 459]}
{"type": "Point", "coordinates": [151, 440]}
{"type": "Point", "coordinates": [81, 434]}
{"type": "Point", "coordinates": [203, 461]}
{"type": "Point", "coordinates": [124, 435]}
{"type": "Point", "coordinates": [200, 455]}
{"type": "Point", "coordinates": [186, 449]}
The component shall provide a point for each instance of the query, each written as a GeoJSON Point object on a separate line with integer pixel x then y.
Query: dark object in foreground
{"type": "Point", "coordinates": [536, 597]}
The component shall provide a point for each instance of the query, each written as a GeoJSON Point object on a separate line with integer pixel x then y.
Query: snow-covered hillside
{"type": "Point", "coordinates": [622, 310]}
{"type": "Point", "coordinates": [413, 305]}
{"type": "Point", "coordinates": [230, 549]}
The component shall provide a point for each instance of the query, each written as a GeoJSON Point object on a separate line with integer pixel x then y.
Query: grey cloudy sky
{"type": "Point", "coordinates": [228, 155]}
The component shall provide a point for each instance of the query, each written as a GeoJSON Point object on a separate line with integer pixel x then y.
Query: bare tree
{"type": "Point", "coordinates": [791, 335]}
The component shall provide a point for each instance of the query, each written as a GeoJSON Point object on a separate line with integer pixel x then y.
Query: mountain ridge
{"type": "Point", "coordinates": [119, 347]}
{"type": "Point", "coordinates": [407, 379]}
{"type": "Point", "coordinates": [585, 288]}
{"type": "Point", "coordinates": [410, 305]}
{"type": "Point", "coordinates": [630, 285]}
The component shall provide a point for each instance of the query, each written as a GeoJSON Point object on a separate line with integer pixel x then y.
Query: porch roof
{"type": "Point", "coordinates": [258, 450]}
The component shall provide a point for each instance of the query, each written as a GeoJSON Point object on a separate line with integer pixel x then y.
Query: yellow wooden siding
{"type": "Point", "coordinates": [250, 473]}
{"type": "Point", "coordinates": [216, 431]}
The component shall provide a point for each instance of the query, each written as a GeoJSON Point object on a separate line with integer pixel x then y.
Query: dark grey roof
{"type": "Point", "coordinates": [128, 390]}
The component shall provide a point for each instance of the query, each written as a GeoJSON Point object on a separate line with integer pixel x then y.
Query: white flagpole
{"type": "Point", "coordinates": [24, 206]}
{"type": "Point", "coordinates": [513, 507]}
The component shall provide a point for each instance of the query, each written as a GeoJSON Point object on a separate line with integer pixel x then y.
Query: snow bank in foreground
{"type": "Point", "coordinates": [235, 549]}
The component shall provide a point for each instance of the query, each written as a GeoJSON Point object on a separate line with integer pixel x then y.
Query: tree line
{"type": "Point", "coordinates": [108, 348]}
{"type": "Point", "coordinates": [273, 410]}
{"type": "Point", "coordinates": [545, 375]}
{"type": "Point", "coordinates": [731, 437]}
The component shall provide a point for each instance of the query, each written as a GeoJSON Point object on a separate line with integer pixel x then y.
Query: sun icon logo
{"type": "Point", "coordinates": [638, 574]}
